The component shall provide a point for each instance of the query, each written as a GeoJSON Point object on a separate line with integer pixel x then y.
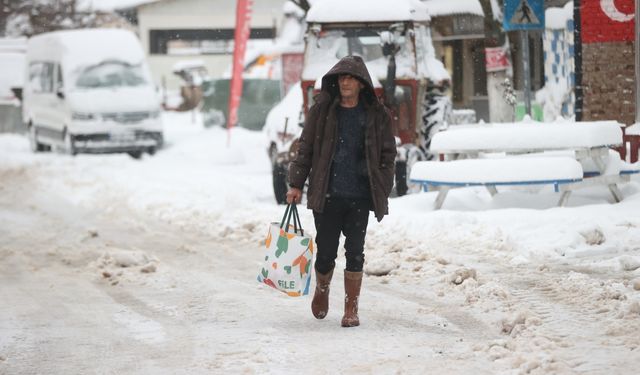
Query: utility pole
{"type": "Point", "coordinates": [526, 70]}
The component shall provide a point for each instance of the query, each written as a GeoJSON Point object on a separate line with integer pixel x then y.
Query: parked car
{"type": "Point", "coordinates": [259, 95]}
{"type": "Point", "coordinates": [90, 91]}
{"type": "Point", "coordinates": [12, 57]}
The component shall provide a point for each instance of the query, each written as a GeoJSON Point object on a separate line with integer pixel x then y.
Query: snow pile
{"type": "Point", "coordinates": [447, 7]}
{"type": "Point", "coordinates": [110, 5]}
{"type": "Point", "coordinates": [499, 170]}
{"type": "Point", "coordinates": [528, 136]}
{"type": "Point", "coordinates": [556, 18]}
{"type": "Point", "coordinates": [116, 264]}
{"type": "Point", "coordinates": [367, 11]}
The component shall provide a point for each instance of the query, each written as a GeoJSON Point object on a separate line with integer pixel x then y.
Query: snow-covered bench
{"type": "Point", "coordinates": [587, 138]}
{"type": "Point", "coordinates": [525, 154]}
{"type": "Point", "coordinates": [443, 176]}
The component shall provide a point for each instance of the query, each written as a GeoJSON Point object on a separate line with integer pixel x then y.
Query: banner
{"type": "Point", "coordinates": [607, 20]}
{"type": "Point", "coordinates": [243, 18]}
{"type": "Point", "coordinates": [496, 59]}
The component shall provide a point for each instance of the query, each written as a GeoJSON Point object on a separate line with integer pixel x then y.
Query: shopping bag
{"type": "Point", "coordinates": [287, 261]}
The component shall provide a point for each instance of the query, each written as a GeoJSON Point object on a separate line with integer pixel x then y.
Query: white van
{"type": "Point", "coordinates": [90, 91]}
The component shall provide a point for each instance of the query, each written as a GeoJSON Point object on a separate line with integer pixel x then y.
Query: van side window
{"type": "Point", "coordinates": [47, 77]}
{"type": "Point", "coordinates": [59, 81]}
{"type": "Point", "coordinates": [35, 73]}
{"type": "Point", "coordinates": [41, 77]}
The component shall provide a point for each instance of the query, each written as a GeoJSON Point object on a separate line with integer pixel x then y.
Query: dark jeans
{"type": "Point", "coordinates": [347, 216]}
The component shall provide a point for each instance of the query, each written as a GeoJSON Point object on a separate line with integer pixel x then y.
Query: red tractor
{"type": "Point", "coordinates": [394, 39]}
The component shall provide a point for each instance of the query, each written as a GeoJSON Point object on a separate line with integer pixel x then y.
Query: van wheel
{"type": "Point", "coordinates": [33, 141]}
{"type": "Point", "coordinates": [135, 154]}
{"type": "Point", "coordinates": [69, 144]}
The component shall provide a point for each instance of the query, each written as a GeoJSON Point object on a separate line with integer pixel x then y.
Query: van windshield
{"type": "Point", "coordinates": [110, 74]}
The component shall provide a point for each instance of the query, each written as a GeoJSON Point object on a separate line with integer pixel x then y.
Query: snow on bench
{"type": "Point", "coordinates": [588, 143]}
{"type": "Point", "coordinates": [527, 137]}
{"type": "Point", "coordinates": [496, 172]}
{"type": "Point", "coordinates": [611, 163]}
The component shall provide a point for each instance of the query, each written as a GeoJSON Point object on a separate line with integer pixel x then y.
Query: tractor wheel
{"type": "Point", "coordinates": [436, 111]}
{"type": "Point", "coordinates": [403, 171]}
{"type": "Point", "coordinates": [401, 178]}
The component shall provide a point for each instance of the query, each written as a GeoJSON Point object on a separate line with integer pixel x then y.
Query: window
{"type": "Point", "coordinates": [59, 80]}
{"type": "Point", "coordinates": [199, 41]}
{"type": "Point", "coordinates": [41, 77]}
{"type": "Point", "coordinates": [110, 74]}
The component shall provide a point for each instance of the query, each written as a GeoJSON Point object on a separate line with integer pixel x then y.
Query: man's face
{"type": "Point", "coordinates": [350, 86]}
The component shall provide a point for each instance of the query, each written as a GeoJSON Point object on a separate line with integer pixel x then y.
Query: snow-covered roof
{"type": "Point", "coordinates": [448, 7]}
{"type": "Point", "coordinates": [110, 5]}
{"type": "Point", "coordinates": [556, 18]}
{"type": "Point", "coordinates": [367, 11]}
{"type": "Point", "coordinates": [87, 46]}
{"type": "Point", "coordinates": [18, 45]}
{"type": "Point", "coordinates": [290, 8]}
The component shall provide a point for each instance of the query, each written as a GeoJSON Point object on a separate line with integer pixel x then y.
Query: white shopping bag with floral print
{"type": "Point", "coordinates": [287, 261]}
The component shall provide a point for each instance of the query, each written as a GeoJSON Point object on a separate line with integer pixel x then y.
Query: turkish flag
{"type": "Point", "coordinates": [607, 20]}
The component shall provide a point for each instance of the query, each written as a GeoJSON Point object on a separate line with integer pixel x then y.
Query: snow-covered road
{"type": "Point", "coordinates": [113, 265]}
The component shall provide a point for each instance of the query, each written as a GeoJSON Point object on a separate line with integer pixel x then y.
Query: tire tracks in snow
{"type": "Point", "coordinates": [563, 329]}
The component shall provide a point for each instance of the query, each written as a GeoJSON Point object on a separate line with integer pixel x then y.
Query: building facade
{"type": "Point", "coordinates": [173, 31]}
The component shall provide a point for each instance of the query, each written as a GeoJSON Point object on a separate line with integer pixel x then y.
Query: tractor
{"type": "Point", "coordinates": [394, 39]}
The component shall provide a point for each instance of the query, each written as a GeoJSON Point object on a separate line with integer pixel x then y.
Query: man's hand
{"type": "Point", "coordinates": [294, 195]}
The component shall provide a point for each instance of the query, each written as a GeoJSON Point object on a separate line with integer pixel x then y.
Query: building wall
{"type": "Point", "coordinates": [198, 14]}
{"type": "Point", "coordinates": [459, 43]}
{"type": "Point", "coordinates": [608, 63]}
{"type": "Point", "coordinates": [609, 82]}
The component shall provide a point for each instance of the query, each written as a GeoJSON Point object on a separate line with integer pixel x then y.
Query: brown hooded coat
{"type": "Point", "coordinates": [318, 141]}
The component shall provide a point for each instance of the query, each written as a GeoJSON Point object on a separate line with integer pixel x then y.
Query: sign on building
{"type": "Point", "coordinates": [607, 21]}
{"type": "Point", "coordinates": [496, 59]}
{"type": "Point", "coordinates": [523, 15]}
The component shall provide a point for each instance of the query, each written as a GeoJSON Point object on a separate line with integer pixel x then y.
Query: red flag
{"type": "Point", "coordinates": [607, 20]}
{"type": "Point", "coordinates": [243, 16]}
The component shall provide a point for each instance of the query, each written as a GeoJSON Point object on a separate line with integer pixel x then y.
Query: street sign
{"type": "Point", "coordinates": [523, 15]}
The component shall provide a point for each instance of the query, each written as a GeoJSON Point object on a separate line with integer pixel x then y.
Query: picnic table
{"type": "Point", "coordinates": [567, 155]}
{"type": "Point", "coordinates": [631, 136]}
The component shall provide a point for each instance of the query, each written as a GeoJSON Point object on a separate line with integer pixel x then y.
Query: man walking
{"type": "Point", "coordinates": [347, 150]}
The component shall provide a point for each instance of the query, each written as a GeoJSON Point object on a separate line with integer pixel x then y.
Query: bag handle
{"type": "Point", "coordinates": [296, 217]}
{"type": "Point", "coordinates": [291, 211]}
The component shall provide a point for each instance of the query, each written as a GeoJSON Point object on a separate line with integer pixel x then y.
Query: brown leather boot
{"type": "Point", "coordinates": [352, 283]}
{"type": "Point", "coordinates": [320, 302]}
